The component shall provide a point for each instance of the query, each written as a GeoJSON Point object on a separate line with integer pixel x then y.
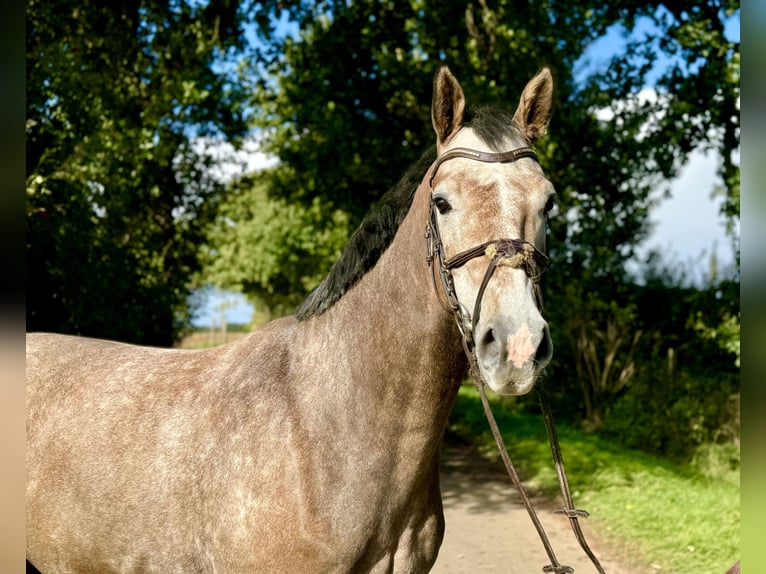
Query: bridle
{"type": "Point", "coordinates": [514, 253]}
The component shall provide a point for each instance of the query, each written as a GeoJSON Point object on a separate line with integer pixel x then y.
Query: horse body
{"type": "Point", "coordinates": [261, 447]}
{"type": "Point", "coordinates": [308, 446]}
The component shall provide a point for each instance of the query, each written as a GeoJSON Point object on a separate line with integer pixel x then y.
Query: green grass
{"type": "Point", "coordinates": [670, 516]}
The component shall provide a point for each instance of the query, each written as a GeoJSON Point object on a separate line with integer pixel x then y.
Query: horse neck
{"type": "Point", "coordinates": [393, 335]}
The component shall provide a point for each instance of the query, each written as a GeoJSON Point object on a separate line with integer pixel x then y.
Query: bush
{"type": "Point", "coordinates": [676, 416]}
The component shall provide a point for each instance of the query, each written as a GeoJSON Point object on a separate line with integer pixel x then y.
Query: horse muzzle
{"type": "Point", "coordinates": [511, 358]}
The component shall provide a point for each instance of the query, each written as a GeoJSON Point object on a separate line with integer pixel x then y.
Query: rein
{"type": "Point", "coordinates": [515, 253]}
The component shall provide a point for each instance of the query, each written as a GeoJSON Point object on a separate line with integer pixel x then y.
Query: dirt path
{"type": "Point", "coordinates": [489, 531]}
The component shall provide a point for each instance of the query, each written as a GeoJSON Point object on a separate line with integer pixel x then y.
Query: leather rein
{"type": "Point", "coordinates": [515, 253]}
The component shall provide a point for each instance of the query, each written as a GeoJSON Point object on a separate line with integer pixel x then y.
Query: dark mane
{"type": "Point", "coordinates": [368, 242]}
{"type": "Point", "coordinates": [377, 231]}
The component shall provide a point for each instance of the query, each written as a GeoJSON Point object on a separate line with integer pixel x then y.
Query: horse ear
{"type": "Point", "coordinates": [534, 111]}
{"type": "Point", "coordinates": [447, 106]}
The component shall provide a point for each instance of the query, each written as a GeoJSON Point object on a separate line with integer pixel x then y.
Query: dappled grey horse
{"type": "Point", "coordinates": [312, 444]}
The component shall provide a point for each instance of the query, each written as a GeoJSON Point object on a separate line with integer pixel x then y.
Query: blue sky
{"type": "Point", "coordinates": [217, 303]}
{"type": "Point", "coordinates": [687, 226]}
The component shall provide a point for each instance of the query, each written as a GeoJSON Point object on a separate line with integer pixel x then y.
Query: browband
{"type": "Point", "coordinates": [487, 157]}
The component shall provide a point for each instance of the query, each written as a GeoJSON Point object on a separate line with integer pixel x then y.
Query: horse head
{"type": "Point", "coordinates": [490, 202]}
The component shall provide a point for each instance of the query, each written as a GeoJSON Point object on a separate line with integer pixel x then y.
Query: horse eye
{"type": "Point", "coordinates": [442, 205]}
{"type": "Point", "coordinates": [551, 207]}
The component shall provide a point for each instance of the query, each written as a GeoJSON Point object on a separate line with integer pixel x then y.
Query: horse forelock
{"type": "Point", "coordinates": [495, 127]}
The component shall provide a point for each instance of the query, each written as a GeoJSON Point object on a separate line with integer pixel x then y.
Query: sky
{"type": "Point", "coordinates": [687, 226]}
{"type": "Point", "coordinates": [217, 304]}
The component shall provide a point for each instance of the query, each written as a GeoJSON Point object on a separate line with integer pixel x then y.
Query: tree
{"type": "Point", "coordinates": [696, 105]}
{"type": "Point", "coordinates": [119, 95]}
{"type": "Point", "coordinates": [267, 246]}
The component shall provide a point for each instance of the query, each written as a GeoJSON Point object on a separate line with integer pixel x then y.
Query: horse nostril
{"type": "Point", "coordinates": [489, 343]}
{"type": "Point", "coordinates": [544, 350]}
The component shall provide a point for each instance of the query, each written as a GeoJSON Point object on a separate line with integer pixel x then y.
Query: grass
{"type": "Point", "coordinates": [203, 339]}
{"type": "Point", "coordinates": [676, 519]}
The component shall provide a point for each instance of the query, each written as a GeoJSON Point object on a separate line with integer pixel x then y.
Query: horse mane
{"type": "Point", "coordinates": [368, 242]}
{"type": "Point", "coordinates": [377, 230]}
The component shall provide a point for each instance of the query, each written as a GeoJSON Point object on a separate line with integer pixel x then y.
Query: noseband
{"type": "Point", "coordinates": [518, 254]}
{"type": "Point", "coordinates": [514, 253]}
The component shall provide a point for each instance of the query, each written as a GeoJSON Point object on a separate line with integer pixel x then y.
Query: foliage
{"type": "Point", "coordinates": [726, 334]}
{"type": "Point", "coordinates": [644, 375]}
{"type": "Point", "coordinates": [692, 383]}
{"type": "Point", "coordinates": [601, 339]}
{"type": "Point", "coordinates": [669, 515]}
{"type": "Point", "coordinates": [676, 414]}
{"type": "Point", "coordinates": [705, 109]}
{"type": "Point", "coordinates": [117, 194]}
{"type": "Point", "coordinates": [276, 244]}
{"type": "Point", "coordinates": [698, 89]}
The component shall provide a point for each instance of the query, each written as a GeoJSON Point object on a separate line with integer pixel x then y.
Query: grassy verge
{"type": "Point", "coordinates": [677, 520]}
{"type": "Point", "coordinates": [203, 339]}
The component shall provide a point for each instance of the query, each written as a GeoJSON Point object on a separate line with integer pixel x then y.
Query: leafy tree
{"type": "Point", "coordinates": [119, 95]}
{"type": "Point", "coordinates": [696, 107]}
{"type": "Point", "coordinates": [275, 244]}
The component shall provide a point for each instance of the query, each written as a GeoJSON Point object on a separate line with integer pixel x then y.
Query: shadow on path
{"type": "Point", "coordinates": [478, 483]}
{"type": "Point", "coordinates": [488, 530]}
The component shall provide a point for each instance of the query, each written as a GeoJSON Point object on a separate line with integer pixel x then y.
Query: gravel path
{"type": "Point", "coordinates": [488, 529]}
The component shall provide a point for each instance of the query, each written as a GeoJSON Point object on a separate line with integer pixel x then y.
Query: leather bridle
{"type": "Point", "coordinates": [514, 253]}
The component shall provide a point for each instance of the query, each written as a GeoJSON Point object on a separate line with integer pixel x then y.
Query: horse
{"type": "Point", "coordinates": [312, 444]}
